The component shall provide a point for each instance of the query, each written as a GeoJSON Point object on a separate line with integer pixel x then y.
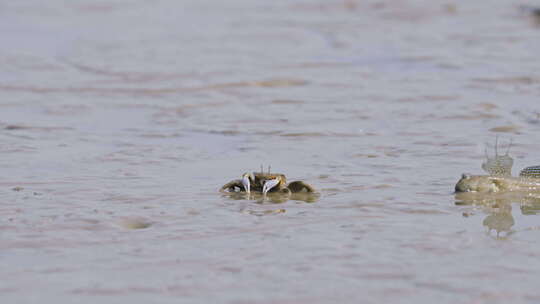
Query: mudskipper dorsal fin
{"type": "Point", "coordinates": [499, 165]}
{"type": "Point", "coordinates": [530, 172]}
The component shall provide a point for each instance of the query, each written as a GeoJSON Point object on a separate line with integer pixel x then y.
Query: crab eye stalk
{"type": "Point", "coordinates": [246, 181]}
{"type": "Point", "coordinates": [269, 184]}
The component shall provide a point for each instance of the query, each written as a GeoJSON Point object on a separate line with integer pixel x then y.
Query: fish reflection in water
{"type": "Point", "coordinates": [500, 220]}
{"type": "Point", "coordinates": [499, 208]}
{"type": "Point", "coordinates": [531, 207]}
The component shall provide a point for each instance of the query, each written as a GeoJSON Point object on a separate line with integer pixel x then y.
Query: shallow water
{"type": "Point", "coordinates": [119, 121]}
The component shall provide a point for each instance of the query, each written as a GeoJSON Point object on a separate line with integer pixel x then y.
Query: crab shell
{"type": "Point", "coordinates": [257, 181]}
{"type": "Point", "coordinates": [282, 186]}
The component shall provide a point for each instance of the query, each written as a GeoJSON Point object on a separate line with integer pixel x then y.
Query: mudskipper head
{"type": "Point", "coordinates": [477, 183]}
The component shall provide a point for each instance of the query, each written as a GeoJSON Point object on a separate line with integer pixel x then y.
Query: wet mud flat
{"type": "Point", "coordinates": [120, 121]}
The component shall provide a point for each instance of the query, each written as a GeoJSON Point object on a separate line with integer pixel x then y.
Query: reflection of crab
{"type": "Point", "coordinates": [266, 183]}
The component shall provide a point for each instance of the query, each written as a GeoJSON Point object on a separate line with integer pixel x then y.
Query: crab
{"type": "Point", "coordinates": [264, 183]}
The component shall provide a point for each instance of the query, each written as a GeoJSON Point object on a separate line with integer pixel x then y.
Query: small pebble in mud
{"type": "Point", "coordinates": [365, 155]}
{"type": "Point", "coordinates": [486, 106]}
{"type": "Point", "coordinates": [134, 223]}
{"type": "Point", "coordinates": [505, 129]}
{"type": "Point", "coordinates": [192, 212]}
{"type": "Point", "coordinates": [450, 8]}
{"type": "Point", "coordinates": [17, 189]}
{"type": "Point", "coordinates": [15, 127]}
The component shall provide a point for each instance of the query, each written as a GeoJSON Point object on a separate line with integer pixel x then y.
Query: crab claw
{"type": "Point", "coordinates": [269, 184]}
{"type": "Point", "coordinates": [246, 177]}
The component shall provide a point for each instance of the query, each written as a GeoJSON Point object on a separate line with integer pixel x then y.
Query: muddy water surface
{"type": "Point", "coordinates": [120, 120]}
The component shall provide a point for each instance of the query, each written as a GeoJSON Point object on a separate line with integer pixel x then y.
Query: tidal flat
{"type": "Point", "coordinates": [120, 121]}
